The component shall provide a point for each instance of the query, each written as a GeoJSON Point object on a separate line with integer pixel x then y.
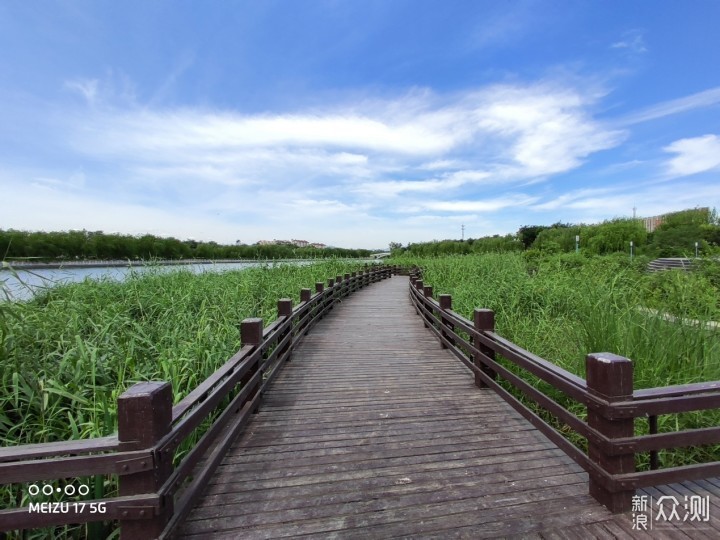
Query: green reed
{"type": "Point", "coordinates": [68, 354]}
{"type": "Point", "coordinates": [564, 307]}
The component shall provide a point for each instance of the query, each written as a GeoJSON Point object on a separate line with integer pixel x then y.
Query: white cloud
{"type": "Point", "coordinates": [530, 130]}
{"type": "Point", "coordinates": [170, 134]}
{"type": "Point", "coordinates": [694, 155]}
{"type": "Point", "coordinates": [549, 130]}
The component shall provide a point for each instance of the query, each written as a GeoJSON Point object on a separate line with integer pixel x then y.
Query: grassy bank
{"type": "Point", "coordinates": [565, 306]}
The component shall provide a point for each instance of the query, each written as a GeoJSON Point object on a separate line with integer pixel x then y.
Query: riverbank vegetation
{"type": "Point", "coordinates": [562, 307]}
{"type": "Point", "coordinates": [67, 354]}
{"type": "Point", "coordinates": [89, 245]}
{"type": "Point", "coordinates": [675, 237]}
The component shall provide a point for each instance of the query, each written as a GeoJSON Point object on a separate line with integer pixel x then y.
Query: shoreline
{"type": "Point", "coordinates": [130, 263]}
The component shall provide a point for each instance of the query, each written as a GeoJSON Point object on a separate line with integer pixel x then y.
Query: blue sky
{"type": "Point", "coordinates": [354, 123]}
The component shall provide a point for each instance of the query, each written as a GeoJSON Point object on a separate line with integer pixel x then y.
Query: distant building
{"type": "Point", "coordinates": [652, 223]}
{"type": "Point", "coordinates": [296, 243]}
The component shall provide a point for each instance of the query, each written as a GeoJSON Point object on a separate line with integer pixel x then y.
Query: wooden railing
{"type": "Point", "coordinates": [607, 392]}
{"type": "Point", "coordinates": [154, 494]}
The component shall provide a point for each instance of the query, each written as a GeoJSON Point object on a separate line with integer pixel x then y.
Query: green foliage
{"type": "Point", "coordinates": [614, 236]}
{"type": "Point", "coordinates": [677, 235]}
{"type": "Point", "coordinates": [98, 245]}
{"type": "Point", "coordinates": [486, 244]}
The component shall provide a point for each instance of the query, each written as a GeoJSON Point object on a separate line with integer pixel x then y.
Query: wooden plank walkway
{"type": "Point", "coordinates": [374, 431]}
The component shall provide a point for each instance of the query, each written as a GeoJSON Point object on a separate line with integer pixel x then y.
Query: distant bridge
{"type": "Point", "coordinates": [381, 255]}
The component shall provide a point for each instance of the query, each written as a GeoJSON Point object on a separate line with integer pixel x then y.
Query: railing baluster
{"type": "Point", "coordinates": [144, 418]}
{"type": "Point", "coordinates": [251, 333]}
{"type": "Point", "coordinates": [653, 429]}
{"type": "Point", "coordinates": [445, 305]}
{"type": "Point", "coordinates": [284, 309]}
{"type": "Point", "coordinates": [484, 321]}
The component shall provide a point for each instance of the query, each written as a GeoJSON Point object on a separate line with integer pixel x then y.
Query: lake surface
{"type": "Point", "coordinates": [23, 284]}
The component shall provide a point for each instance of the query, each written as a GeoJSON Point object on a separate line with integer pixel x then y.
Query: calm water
{"type": "Point", "coordinates": [26, 283]}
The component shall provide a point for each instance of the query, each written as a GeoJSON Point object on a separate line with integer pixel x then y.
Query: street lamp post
{"type": "Point", "coordinates": [696, 250]}
{"type": "Point", "coordinates": [631, 250]}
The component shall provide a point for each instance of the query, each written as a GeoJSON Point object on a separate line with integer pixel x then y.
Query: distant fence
{"type": "Point", "coordinates": [612, 403]}
{"type": "Point", "coordinates": [154, 495]}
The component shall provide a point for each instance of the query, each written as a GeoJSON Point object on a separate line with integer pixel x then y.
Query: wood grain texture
{"type": "Point", "coordinates": [375, 431]}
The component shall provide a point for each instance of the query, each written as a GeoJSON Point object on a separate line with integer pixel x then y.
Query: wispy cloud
{"type": "Point", "coordinates": [706, 98]}
{"type": "Point", "coordinates": [497, 134]}
{"type": "Point", "coordinates": [549, 130]}
{"type": "Point", "coordinates": [486, 205]}
{"type": "Point", "coordinates": [694, 155]}
{"type": "Point", "coordinates": [87, 88]}
{"type": "Point", "coordinates": [632, 41]}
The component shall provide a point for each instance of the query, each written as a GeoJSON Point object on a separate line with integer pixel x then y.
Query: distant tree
{"type": "Point", "coordinates": [528, 233]}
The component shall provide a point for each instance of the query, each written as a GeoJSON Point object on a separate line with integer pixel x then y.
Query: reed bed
{"type": "Point", "coordinates": [67, 355]}
{"type": "Point", "coordinates": [564, 307]}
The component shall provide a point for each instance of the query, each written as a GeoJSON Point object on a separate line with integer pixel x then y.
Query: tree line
{"type": "Point", "coordinates": [675, 237]}
{"type": "Point", "coordinates": [97, 245]}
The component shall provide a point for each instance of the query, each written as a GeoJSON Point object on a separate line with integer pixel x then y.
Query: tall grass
{"type": "Point", "coordinates": [564, 307]}
{"type": "Point", "coordinates": [67, 355]}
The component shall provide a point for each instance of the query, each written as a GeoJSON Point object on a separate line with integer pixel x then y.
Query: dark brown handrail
{"type": "Point", "coordinates": [612, 404]}
{"type": "Point", "coordinates": [155, 495]}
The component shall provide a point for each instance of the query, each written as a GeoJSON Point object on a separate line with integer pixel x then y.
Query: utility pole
{"type": "Point", "coordinates": [462, 228]}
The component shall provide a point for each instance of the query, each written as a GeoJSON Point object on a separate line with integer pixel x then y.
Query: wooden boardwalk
{"type": "Point", "coordinates": [373, 431]}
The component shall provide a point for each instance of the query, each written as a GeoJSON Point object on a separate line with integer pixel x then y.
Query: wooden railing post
{"type": "Point", "coordinates": [445, 305]}
{"type": "Point", "coordinates": [484, 320]}
{"type": "Point", "coordinates": [305, 295]}
{"type": "Point", "coordinates": [338, 289]}
{"type": "Point", "coordinates": [284, 309]}
{"type": "Point", "coordinates": [319, 287]}
{"type": "Point", "coordinates": [610, 377]}
{"type": "Point", "coordinates": [251, 333]}
{"type": "Point", "coordinates": [145, 417]}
